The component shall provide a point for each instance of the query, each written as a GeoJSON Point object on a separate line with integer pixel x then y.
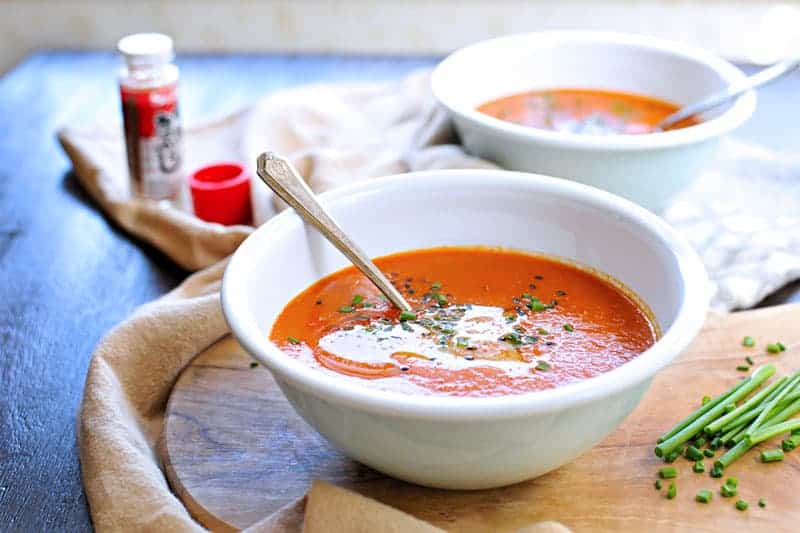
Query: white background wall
{"type": "Point", "coordinates": [750, 30]}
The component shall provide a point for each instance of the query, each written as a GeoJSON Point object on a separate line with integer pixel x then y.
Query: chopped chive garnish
{"type": "Point", "coordinates": [708, 453]}
{"type": "Point", "coordinates": [771, 456]}
{"type": "Point", "coordinates": [773, 348]}
{"type": "Point", "coordinates": [703, 496]}
{"type": "Point", "coordinates": [748, 342]}
{"type": "Point", "coordinates": [762, 502]}
{"type": "Point", "coordinates": [698, 467]}
{"type": "Point", "coordinates": [743, 368]}
{"type": "Point", "coordinates": [716, 471]}
{"type": "Point", "coordinates": [543, 365]}
{"type": "Point", "coordinates": [742, 505]}
{"type": "Point", "coordinates": [658, 484]}
{"type": "Point", "coordinates": [440, 299]}
{"type": "Point", "coordinates": [527, 295]}
{"type": "Point", "coordinates": [732, 481]}
{"type": "Point", "coordinates": [407, 315]}
{"type": "Point", "coordinates": [542, 331]}
{"type": "Point", "coordinates": [671, 456]}
{"type": "Point", "coordinates": [436, 285]}
{"type": "Point", "coordinates": [791, 443]}
{"type": "Point", "coordinates": [693, 454]}
{"type": "Point", "coordinates": [727, 491]}
{"type": "Point", "coordinates": [357, 299]}
{"type": "Point", "coordinates": [699, 442]}
{"type": "Point", "coordinates": [667, 472]}
{"type": "Point", "coordinates": [512, 338]}
{"type": "Point", "coordinates": [537, 306]}
{"type": "Point", "coordinates": [749, 360]}
{"type": "Point", "coordinates": [672, 491]}
{"type": "Point", "coordinates": [705, 400]}
{"type": "Point", "coordinates": [345, 309]}
{"type": "Point", "coordinates": [253, 364]}
{"type": "Point", "coordinates": [293, 340]}
{"type": "Point", "coordinates": [568, 327]}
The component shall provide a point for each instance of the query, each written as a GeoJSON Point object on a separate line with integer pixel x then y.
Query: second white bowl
{"type": "Point", "coordinates": [649, 169]}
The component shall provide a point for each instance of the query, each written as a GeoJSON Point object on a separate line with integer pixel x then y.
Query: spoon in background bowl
{"type": "Point", "coordinates": [281, 176]}
{"type": "Point", "coordinates": [758, 79]}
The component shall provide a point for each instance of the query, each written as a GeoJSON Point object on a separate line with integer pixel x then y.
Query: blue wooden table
{"type": "Point", "coordinates": [67, 274]}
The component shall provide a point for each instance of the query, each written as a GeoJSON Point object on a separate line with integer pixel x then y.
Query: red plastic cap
{"type": "Point", "coordinates": [221, 193]}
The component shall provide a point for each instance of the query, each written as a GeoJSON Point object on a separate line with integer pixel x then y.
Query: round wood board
{"type": "Point", "coordinates": [235, 451]}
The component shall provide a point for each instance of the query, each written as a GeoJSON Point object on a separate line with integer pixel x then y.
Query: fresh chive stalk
{"type": "Point", "coordinates": [771, 431]}
{"type": "Point", "coordinates": [753, 413]}
{"type": "Point", "coordinates": [704, 408]}
{"type": "Point", "coordinates": [756, 379]}
{"type": "Point", "coordinates": [753, 402]}
{"type": "Point", "coordinates": [772, 403]}
{"type": "Point", "coordinates": [731, 455]}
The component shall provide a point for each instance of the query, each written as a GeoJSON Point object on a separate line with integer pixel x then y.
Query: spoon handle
{"type": "Point", "coordinates": [279, 174]}
{"type": "Point", "coordinates": [756, 80]}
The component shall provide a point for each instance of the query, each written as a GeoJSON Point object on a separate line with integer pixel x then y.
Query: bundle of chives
{"type": "Point", "coordinates": [769, 423]}
{"type": "Point", "coordinates": [695, 423]}
{"type": "Point", "coordinates": [720, 421]}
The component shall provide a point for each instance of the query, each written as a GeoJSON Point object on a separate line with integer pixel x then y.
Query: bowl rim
{"type": "Point", "coordinates": [733, 117]}
{"type": "Point", "coordinates": [690, 315]}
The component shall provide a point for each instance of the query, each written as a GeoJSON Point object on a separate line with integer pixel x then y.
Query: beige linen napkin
{"type": "Point", "coordinates": [334, 134]}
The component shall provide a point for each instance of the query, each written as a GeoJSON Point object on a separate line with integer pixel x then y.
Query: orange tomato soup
{"type": "Point", "coordinates": [486, 322]}
{"type": "Point", "coordinates": [588, 111]}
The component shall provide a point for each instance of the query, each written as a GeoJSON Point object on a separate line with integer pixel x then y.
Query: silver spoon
{"type": "Point", "coordinates": [756, 80]}
{"type": "Point", "coordinates": [279, 174]}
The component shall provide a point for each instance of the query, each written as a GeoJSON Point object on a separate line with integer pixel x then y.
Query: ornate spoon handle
{"type": "Point", "coordinates": [279, 174]}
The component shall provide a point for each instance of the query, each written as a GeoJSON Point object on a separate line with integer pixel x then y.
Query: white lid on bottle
{"type": "Point", "coordinates": [142, 49]}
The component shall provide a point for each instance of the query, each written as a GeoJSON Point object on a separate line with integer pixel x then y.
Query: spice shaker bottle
{"type": "Point", "coordinates": [149, 92]}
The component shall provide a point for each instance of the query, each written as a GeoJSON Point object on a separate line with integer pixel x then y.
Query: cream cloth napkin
{"type": "Point", "coordinates": [334, 135]}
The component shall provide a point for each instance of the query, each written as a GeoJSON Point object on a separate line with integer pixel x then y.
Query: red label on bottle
{"type": "Point", "coordinates": [153, 139]}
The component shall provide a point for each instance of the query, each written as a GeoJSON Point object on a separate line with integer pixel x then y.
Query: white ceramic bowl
{"type": "Point", "coordinates": [648, 169]}
{"type": "Point", "coordinates": [468, 443]}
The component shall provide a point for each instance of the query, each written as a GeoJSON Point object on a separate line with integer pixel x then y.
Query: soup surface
{"type": "Point", "coordinates": [587, 111]}
{"type": "Point", "coordinates": [486, 322]}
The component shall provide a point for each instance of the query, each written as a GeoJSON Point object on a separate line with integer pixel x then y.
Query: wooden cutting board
{"type": "Point", "coordinates": [235, 451]}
